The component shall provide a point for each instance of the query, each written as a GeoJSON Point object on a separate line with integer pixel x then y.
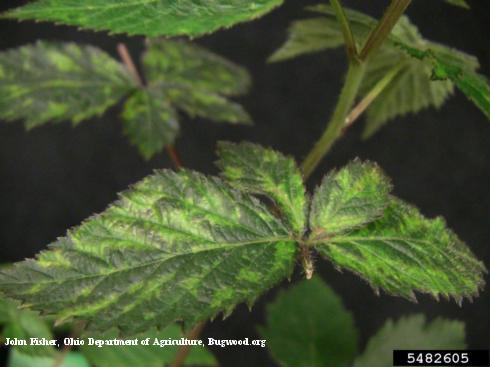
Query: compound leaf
{"type": "Point", "coordinates": [54, 82]}
{"type": "Point", "coordinates": [404, 252]}
{"type": "Point", "coordinates": [149, 121]}
{"type": "Point", "coordinates": [412, 333]}
{"type": "Point", "coordinates": [24, 324]}
{"type": "Point", "coordinates": [349, 198]}
{"type": "Point", "coordinates": [308, 326]}
{"type": "Point", "coordinates": [177, 246]}
{"type": "Point", "coordinates": [146, 356]}
{"type": "Point", "coordinates": [146, 17]}
{"type": "Point", "coordinates": [259, 170]}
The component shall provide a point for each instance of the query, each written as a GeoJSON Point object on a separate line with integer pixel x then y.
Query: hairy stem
{"type": "Point", "coordinates": [130, 66]}
{"type": "Point", "coordinates": [383, 29]}
{"type": "Point", "coordinates": [350, 43]}
{"type": "Point", "coordinates": [374, 93]}
{"type": "Point", "coordinates": [184, 350]}
{"type": "Point", "coordinates": [355, 74]}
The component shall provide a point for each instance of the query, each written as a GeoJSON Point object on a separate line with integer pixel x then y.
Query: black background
{"type": "Point", "coordinates": [55, 176]}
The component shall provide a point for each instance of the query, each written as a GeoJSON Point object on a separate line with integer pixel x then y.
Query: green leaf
{"type": "Point", "coordinates": [149, 121]}
{"type": "Point", "coordinates": [146, 356]}
{"type": "Point", "coordinates": [460, 3]}
{"type": "Point", "coordinates": [348, 199]}
{"type": "Point", "coordinates": [24, 324]}
{"type": "Point", "coordinates": [177, 246]}
{"type": "Point", "coordinates": [415, 87]}
{"type": "Point", "coordinates": [49, 82]}
{"type": "Point", "coordinates": [412, 332]}
{"type": "Point", "coordinates": [72, 359]}
{"type": "Point", "coordinates": [446, 65]}
{"type": "Point", "coordinates": [308, 326]}
{"type": "Point", "coordinates": [404, 252]}
{"type": "Point", "coordinates": [146, 17]}
{"type": "Point", "coordinates": [196, 80]}
{"type": "Point", "coordinates": [252, 168]}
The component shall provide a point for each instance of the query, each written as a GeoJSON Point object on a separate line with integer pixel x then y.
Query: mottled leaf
{"type": "Point", "coordinates": [308, 326]}
{"type": "Point", "coordinates": [71, 359]}
{"type": "Point", "coordinates": [412, 333]}
{"type": "Point", "coordinates": [177, 246]}
{"type": "Point", "coordinates": [258, 170]}
{"type": "Point", "coordinates": [48, 82]}
{"type": "Point", "coordinates": [404, 252]}
{"type": "Point", "coordinates": [349, 198]}
{"type": "Point", "coordinates": [146, 356]}
{"type": "Point", "coordinates": [149, 121]}
{"type": "Point", "coordinates": [196, 80]}
{"type": "Point", "coordinates": [23, 325]}
{"type": "Point", "coordinates": [146, 17]}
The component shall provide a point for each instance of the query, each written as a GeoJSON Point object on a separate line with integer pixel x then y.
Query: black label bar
{"type": "Point", "coordinates": [453, 358]}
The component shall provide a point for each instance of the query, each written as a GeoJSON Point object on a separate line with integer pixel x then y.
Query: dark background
{"type": "Point", "coordinates": [55, 176]}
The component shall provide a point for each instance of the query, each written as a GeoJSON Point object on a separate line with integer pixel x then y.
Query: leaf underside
{"type": "Point", "coordinates": [307, 325]}
{"type": "Point", "coordinates": [177, 246]}
{"type": "Point", "coordinates": [411, 333]}
{"type": "Point", "coordinates": [349, 198]}
{"type": "Point", "coordinates": [146, 17]}
{"type": "Point", "coordinates": [414, 87]}
{"type": "Point", "coordinates": [404, 252]}
{"type": "Point", "coordinates": [47, 82]}
{"type": "Point", "coordinates": [252, 168]}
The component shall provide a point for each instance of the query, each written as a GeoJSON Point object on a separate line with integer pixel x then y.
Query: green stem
{"type": "Point", "coordinates": [350, 43]}
{"type": "Point", "coordinates": [374, 93]}
{"type": "Point", "coordinates": [355, 74]}
{"type": "Point", "coordinates": [384, 27]}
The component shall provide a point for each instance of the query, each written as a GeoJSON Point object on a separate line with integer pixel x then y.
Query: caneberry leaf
{"type": "Point", "coordinates": [152, 355]}
{"type": "Point", "coordinates": [412, 333]}
{"type": "Point", "coordinates": [70, 359]}
{"type": "Point", "coordinates": [48, 82]}
{"type": "Point", "coordinates": [176, 246]}
{"type": "Point", "coordinates": [146, 17]}
{"type": "Point", "coordinates": [196, 80]}
{"type": "Point", "coordinates": [258, 170]}
{"type": "Point", "coordinates": [404, 252]}
{"type": "Point", "coordinates": [415, 86]}
{"type": "Point", "coordinates": [23, 325]}
{"type": "Point", "coordinates": [349, 198]}
{"type": "Point", "coordinates": [307, 325]}
{"type": "Point", "coordinates": [149, 121]}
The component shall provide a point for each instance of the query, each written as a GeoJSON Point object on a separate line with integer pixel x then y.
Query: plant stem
{"type": "Point", "coordinates": [130, 66]}
{"type": "Point", "coordinates": [184, 350]}
{"type": "Point", "coordinates": [383, 29]}
{"type": "Point", "coordinates": [355, 74]}
{"type": "Point", "coordinates": [350, 43]}
{"type": "Point", "coordinates": [77, 330]}
{"type": "Point", "coordinates": [374, 93]}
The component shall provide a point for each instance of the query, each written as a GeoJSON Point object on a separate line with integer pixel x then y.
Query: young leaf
{"type": "Point", "coordinates": [196, 80]}
{"type": "Point", "coordinates": [349, 198]}
{"type": "Point", "coordinates": [149, 121]}
{"type": "Point", "coordinates": [72, 359]}
{"type": "Point", "coordinates": [447, 66]}
{"type": "Point", "coordinates": [404, 252]}
{"type": "Point", "coordinates": [412, 332]}
{"type": "Point", "coordinates": [49, 82]}
{"type": "Point", "coordinates": [177, 246]}
{"type": "Point", "coordinates": [252, 168]}
{"type": "Point", "coordinates": [146, 17]}
{"type": "Point", "coordinates": [416, 85]}
{"type": "Point", "coordinates": [24, 324]}
{"type": "Point", "coordinates": [308, 326]}
{"type": "Point", "coordinates": [146, 356]}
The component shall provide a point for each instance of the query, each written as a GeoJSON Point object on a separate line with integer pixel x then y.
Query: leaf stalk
{"type": "Point", "coordinates": [350, 43]}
